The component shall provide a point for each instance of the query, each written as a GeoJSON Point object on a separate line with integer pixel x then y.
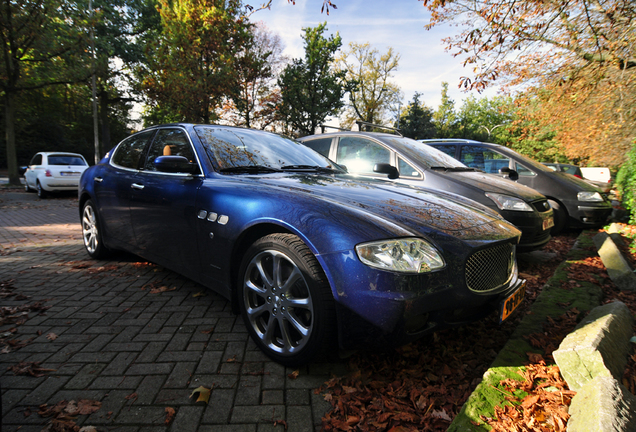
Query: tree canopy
{"type": "Point", "coordinates": [370, 72]}
{"type": "Point", "coordinates": [311, 89]}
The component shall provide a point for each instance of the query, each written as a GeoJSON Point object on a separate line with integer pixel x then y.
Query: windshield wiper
{"type": "Point", "coordinates": [454, 169]}
{"type": "Point", "coordinates": [309, 167]}
{"type": "Point", "coordinates": [250, 169]}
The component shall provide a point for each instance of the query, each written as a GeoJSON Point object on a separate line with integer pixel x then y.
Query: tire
{"type": "Point", "coordinates": [285, 300]}
{"type": "Point", "coordinates": [41, 192]}
{"type": "Point", "coordinates": [560, 217]}
{"type": "Point", "coordinates": [92, 232]}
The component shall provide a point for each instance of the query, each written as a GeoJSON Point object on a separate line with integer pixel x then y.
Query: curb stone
{"type": "Point", "coordinates": [603, 405]}
{"type": "Point", "coordinates": [584, 297]}
{"type": "Point", "coordinates": [598, 346]}
{"type": "Point", "coordinates": [617, 266]}
{"type": "Point", "coordinates": [592, 359]}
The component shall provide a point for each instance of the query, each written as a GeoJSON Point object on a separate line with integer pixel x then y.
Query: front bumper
{"type": "Point", "coordinates": [380, 308]}
{"type": "Point", "coordinates": [590, 215]}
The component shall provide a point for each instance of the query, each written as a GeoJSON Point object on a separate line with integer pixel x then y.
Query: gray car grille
{"type": "Point", "coordinates": [488, 269]}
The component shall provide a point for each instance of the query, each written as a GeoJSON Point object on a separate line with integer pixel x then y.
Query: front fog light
{"type": "Point", "coordinates": [408, 255]}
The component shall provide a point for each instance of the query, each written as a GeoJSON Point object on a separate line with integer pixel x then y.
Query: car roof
{"type": "Point", "coordinates": [59, 153]}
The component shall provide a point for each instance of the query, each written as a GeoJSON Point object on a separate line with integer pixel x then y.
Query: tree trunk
{"type": "Point", "coordinates": [103, 108]}
{"type": "Point", "coordinates": [12, 158]}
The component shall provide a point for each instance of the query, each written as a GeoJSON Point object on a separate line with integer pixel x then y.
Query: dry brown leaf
{"type": "Point", "coordinates": [293, 375]}
{"type": "Point", "coordinates": [204, 394]}
{"type": "Point", "coordinates": [170, 413]}
{"type": "Point", "coordinates": [51, 336]}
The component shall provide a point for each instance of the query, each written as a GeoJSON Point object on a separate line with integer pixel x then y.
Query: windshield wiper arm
{"type": "Point", "coordinates": [250, 169]}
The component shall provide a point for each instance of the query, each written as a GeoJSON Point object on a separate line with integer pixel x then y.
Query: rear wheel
{"type": "Point", "coordinates": [41, 191]}
{"type": "Point", "coordinates": [91, 232]}
{"type": "Point", "coordinates": [560, 217]}
{"type": "Point", "coordinates": [285, 300]}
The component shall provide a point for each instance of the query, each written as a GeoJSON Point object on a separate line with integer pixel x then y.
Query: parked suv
{"type": "Point", "coordinates": [576, 203]}
{"type": "Point", "coordinates": [407, 161]}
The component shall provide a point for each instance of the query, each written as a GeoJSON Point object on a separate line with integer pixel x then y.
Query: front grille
{"type": "Point", "coordinates": [490, 268]}
{"type": "Point", "coordinates": [541, 206]}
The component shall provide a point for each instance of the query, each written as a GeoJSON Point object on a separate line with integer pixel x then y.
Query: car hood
{"type": "Point", "coordinates": [576, 184]}
{"type": "Point", "coordinates": [408, 206]}
{"type": "Point", "coordinates": [496, 184]}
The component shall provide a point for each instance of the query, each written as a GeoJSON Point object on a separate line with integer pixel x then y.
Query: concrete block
{"type": "Point", "coordinates": [603, 405]}
{"type": "Point", "coordinates": [597, 347]}
{"type": "Point", "coordinates": [617, 266]}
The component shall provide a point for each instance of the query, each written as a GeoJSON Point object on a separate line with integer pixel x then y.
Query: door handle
{"type": "Point", "coordinates": [137, 186]}
{"type": "Point", "coordinates": [98, 179]}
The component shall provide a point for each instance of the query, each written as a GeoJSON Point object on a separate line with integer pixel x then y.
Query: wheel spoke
{"type": "Point", "coordinates": [288, 343]}
{"type": "Point", "coordinates": [300, 328]}
{"type": "Point", "coordinates": [291, 280]}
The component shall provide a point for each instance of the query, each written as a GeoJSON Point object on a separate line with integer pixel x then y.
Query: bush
{"type": "Point", "coordinates": [626, 183]}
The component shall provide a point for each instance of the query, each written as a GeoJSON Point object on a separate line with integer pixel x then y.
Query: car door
{"type": "Point", "coordinates": [113, 188]}
{"type": "Point", "coordinates": [162, 204]}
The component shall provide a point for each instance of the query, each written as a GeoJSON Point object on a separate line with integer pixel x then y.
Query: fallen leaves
{"type": "Point", "coordinates": [542, 404]}
{"type": "Point", "coordinates": [29, 368]}
{"type": "Point", "coordinates": [64, 413]}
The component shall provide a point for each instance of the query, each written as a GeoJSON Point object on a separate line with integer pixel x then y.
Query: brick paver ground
{"type": "Point", "coordinates": [131, 335]}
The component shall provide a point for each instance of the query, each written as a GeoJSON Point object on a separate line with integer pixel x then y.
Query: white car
{"type": "Point", "coordinates": [54, 171]}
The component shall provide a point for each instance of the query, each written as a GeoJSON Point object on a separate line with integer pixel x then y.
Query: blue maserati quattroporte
{"type": "Point", "coordinates": [313, 258]}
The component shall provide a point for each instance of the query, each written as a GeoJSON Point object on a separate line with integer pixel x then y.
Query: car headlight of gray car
{"type": "Point", "coordinates": [589, 196]}
{"type": "Point", "coordinates": [405, 255]}
{"type": "Point", "coordinates": [507, 202]}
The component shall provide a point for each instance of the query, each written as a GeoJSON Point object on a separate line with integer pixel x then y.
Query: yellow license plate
{"type": "Point", "coordinates": [512, 302]}
{"type": "Point", "coordinates": [548, 223]}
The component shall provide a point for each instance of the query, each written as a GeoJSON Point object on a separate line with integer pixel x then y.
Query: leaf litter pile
{"type": "Point", "coordinates": [423, 385]}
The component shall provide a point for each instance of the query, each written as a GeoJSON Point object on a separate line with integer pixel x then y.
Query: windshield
{"type": "Point", "coordinates": [529, 162]}
{"type": "Point", "coordinates": [233, 149]}
{"type": "Point", "coordinates": [425, 154]}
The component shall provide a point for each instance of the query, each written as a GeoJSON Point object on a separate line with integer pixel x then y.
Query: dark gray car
{"type": "Point", "coordinates": [423, 166]}
{"type": "Point", "coordinates": [576, 203]}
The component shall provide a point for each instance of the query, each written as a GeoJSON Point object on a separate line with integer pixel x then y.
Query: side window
{"type": "Point", "coordinates": [129, 151]}
{"type": "Point", "coordinates": [483, 158]}
{"type": "Point", "coordinates": [359, 155]}
{"type": "Point", "coordinates": [37, 160]}
{"type": "Point", "coordinates": [321, 145]}
{"type": "Point", "coordinates": [169, 142]}
{"type": "Point", "coordinates": [449, 149]}
{"type": "Point", "coordinates": [407, 170]}
{"type": "Point", "coordinates": [523, 171]}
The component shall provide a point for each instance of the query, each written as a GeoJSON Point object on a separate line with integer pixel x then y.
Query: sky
{"type": "Point", "coordinates": [424, 63]}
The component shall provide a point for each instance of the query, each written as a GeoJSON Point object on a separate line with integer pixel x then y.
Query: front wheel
{"type": "Point", "coordinates": [285, 300]}
{"type": "Point", "coordinates": [91, 232]}
{"type": "Point", "coordinates": [560, 217]}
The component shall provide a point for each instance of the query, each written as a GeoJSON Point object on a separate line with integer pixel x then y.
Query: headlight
{"type": "Point", "coordinates": [407, 255]}
{"type": "Point", "coordinates": [506, 202]}
{"type": "Point", "coordinates": [589, 196]}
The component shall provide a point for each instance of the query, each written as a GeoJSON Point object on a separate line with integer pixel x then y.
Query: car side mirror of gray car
{"type": "Point", "coordinates": [175, 164]}
{"type": "Point", "coordinates": [509, 173]}
{"type": "Point", "coordinates": [385, 168]}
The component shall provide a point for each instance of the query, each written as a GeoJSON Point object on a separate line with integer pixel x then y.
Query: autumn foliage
{"type": "Point", "coordinates": [577, 59]}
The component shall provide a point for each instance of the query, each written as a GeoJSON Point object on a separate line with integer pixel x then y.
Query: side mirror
{"type": "Point", "coordinates": [175, 164]}
{"type": "Point", "coordinates": [385, 168]}
{"type": "Point", "coordinates": [509, 173]}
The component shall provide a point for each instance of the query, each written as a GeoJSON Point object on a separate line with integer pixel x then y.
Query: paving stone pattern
{"type": "Point", "coordinates": [135, 351]}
